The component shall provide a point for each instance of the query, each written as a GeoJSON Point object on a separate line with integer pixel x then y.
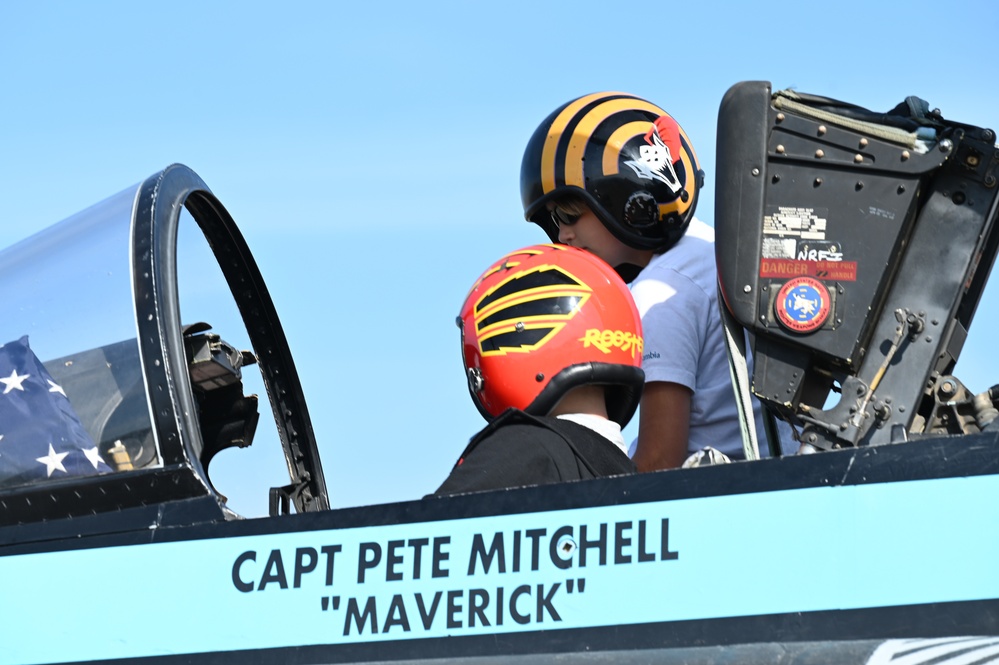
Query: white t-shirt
{"type": "Point", "coordinates": [677, 298]}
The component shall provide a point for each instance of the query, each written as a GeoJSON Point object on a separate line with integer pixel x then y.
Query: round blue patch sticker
{"type": "Point", "coordinates": [802, 304]}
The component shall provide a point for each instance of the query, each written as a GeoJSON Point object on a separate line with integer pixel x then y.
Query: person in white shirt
{"type": "Point", "coordinates": [616, 175]}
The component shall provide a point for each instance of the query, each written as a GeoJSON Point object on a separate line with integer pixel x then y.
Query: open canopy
{"type": "Point", "coordinates": [123, 360]}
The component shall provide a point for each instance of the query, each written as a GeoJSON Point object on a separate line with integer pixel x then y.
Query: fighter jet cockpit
{"type": "Point", "coordinates": [140, 342]}
{"type": "Point", "coordinates": [141, 356]}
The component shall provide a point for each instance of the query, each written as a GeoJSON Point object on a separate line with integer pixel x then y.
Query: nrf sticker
{"type": "Point", "coordinates": [802, 304]}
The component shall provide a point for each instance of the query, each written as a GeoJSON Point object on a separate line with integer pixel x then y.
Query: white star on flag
{"type": "Point", "coordinates": [52, 461]}
{"type": "Point", "coordinates": [56, 388]}
{"type": "Point", "coordinates": [94, 456]}
{"type": "Point", "coordinates": [13, 381]}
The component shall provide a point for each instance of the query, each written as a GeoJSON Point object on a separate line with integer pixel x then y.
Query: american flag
{"type": "Point", "coordinates": [41, 436]}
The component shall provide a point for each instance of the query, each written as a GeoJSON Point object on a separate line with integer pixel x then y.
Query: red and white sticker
{"type": "Point", "coordinates": [802, 304]}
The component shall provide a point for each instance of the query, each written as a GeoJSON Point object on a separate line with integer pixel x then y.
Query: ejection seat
{"type": "Point", "coordinates": [853, 247]}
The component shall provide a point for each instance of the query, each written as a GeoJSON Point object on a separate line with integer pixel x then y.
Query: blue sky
{"type": "Point", "coordinates": [370, 153]}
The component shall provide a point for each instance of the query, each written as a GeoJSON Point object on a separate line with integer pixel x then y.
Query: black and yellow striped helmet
{"type": "Point", "coordinates": [628, 158]}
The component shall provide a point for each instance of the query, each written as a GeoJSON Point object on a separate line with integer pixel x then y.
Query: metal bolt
{"type": "Point", "coordinates": [819, 154]}
{"type": "Point", "coordinates": [859, 186]}
{"type": "Point", "coordinates": [822, 130]}
{"type": "Point", "coordinates": [901, 189]}
{"type": "Point", "coordinates": [755, 171]}
{"type": "Point", "coordinates": [780, 149]}
{"type": "Point", "coordinates": [747, 288]}
{"type": "Point", "coordinates": [780, 117]}
{"type": "Point", "coordinates": [519, 327]}
{"type": "Point", "coordinates": [818, 181]}
{"type": "Point", "coordinates": [946, 145]}
{"type": "Point", "coordinates": [863, 143]}
{"type": "Point", "coordinates": [905, 155]}
{"type": "Point", "coordinates": [858, 158]}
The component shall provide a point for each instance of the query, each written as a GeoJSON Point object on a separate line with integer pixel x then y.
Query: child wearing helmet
{"type": "Point", "coordinates": [552, 348]}
{"type": "Point", "coordinates": [616, 175]}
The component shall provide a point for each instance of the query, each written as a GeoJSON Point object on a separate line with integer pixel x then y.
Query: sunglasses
{"type": "Point", "coordinates": [563, 218]}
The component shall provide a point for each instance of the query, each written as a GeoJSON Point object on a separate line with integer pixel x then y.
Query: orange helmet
{"type": "Point", "coordinates": [544, 320]}
{"type": "Point", "coordinates": [626, 157]}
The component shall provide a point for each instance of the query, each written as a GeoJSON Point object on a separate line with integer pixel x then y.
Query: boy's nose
{"type": "Point", "coordinates": [565, 234]}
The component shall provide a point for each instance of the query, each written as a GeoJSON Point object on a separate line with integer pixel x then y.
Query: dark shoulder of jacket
{"type": "Point", "coordinates": [509, 417]}
{"type": "Point", "coordinates": [594, 455]}
{"type": "Point", "coordinates": [514, 451]}
{"type": "Point", "coordinates": [503, 426]}
{"type": "Point", "coordinates": [598, 456]}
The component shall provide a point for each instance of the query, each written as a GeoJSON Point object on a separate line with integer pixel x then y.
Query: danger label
{"type": "Point", "coordinates": [838, 271]}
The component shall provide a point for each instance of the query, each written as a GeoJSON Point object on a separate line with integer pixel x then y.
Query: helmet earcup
{"type": "Point", "coordinates": [641, 211]}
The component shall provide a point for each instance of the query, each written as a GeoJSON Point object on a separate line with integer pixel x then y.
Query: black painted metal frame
{"type": "Point", "coordinates": [155, 224]}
